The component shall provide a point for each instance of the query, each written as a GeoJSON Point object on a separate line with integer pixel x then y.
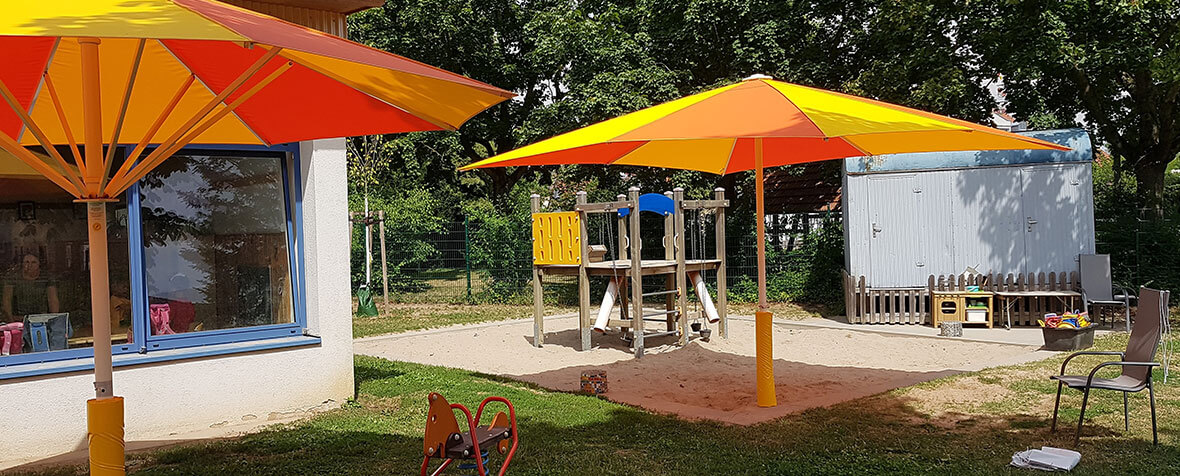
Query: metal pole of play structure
{"type": "Point", "coordinates": [763, 338]}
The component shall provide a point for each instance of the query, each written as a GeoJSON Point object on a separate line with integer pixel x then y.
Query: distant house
{"type": "Point", "coordinates": [1000, 116]}
{"type": "Point", "coordinates": [229, 280]}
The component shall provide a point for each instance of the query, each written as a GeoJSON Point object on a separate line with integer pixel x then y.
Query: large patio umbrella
{"type": "Point", "coordinates": [156, 75]}
{"type": "Point", "coordinates": [754, 124]}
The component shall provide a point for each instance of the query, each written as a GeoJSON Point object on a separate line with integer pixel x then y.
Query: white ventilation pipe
{"type": "Point", "coordinates": [698, 283]}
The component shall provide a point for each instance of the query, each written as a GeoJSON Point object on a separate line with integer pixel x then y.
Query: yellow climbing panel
{"type": "Point", "coordinates": [557, 238]}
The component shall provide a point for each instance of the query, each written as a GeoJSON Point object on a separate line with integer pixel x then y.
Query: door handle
{"type": "Point", "coordinates": [876, 229]}
{"type": "Point", "coordinates": [1031, 222]}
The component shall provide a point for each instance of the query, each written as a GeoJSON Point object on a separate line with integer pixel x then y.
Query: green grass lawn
{"type": "Point", "coordinates": [964, 424]}
{"type": "Point", "coordinates": [410, 317]}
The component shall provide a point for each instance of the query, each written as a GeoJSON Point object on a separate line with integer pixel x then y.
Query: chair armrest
{"type": "Point", "coordinates": [1090, 380]}
{"type": "Point", "coordinates": [1121, 355]}
{"type": "Point", "coordinates": [1126, 295]}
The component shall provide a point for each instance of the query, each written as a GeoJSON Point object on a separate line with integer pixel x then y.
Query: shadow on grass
{"type": "Point", "coordinates": [568, 434]}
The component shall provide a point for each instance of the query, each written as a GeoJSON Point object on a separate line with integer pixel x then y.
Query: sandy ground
{"type": "Point", "coordinates": [814, 367]}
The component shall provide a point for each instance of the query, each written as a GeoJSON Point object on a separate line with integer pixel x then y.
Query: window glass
{"type": "Point", "coordinates": [215, 244]}
{"type": "Point", "coordinates": [45, 266]}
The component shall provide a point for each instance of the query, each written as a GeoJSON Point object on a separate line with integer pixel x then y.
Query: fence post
{"type": "Point", "coordinates": [467, 253]}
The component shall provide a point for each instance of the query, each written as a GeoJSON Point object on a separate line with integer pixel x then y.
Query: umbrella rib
{"type": "Point", "coordinates": [45, 71]}
{"type": "Point", "coordinates": [65, 124]}
{"type": "Point", "coordinates": [191, 133]}
{"type": "Point", "coordinates": [110, 158]}
{"type": "Point", "coordinates": [139, 170]}
{"type": "Point", "coordinates": [207, 88]}
{"type": "Point", "coordinates": [229, 109]}
{"type": "Point", "coordinates": [729, 159]}
{"type": "Point", "coordinates": [36, 130]}
{"type": "Point", "coordinates": [24, 155]}
{"type": "Point", "coordinates": [155, 127]}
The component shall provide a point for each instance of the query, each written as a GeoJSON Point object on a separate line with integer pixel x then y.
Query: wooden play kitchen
{"type": "Point", "coordinates": [561, 247]}
{"type": "Point", "coordinates": [968, 307]}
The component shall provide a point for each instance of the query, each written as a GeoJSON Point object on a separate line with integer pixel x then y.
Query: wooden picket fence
{"type": "Point", "coordinates": [865, 305]}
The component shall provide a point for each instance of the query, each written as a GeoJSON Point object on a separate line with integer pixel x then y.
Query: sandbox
{"type": "Point", "coordinates": [714, 380]}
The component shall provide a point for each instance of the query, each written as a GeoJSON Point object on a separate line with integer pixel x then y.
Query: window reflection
{"type": "Point", "coordinates": [45, 266]}
{"type": "Point", "coordinates": [215, 244]}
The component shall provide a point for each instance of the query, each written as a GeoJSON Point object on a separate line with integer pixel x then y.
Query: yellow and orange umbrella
{"type": "Point", "coordinates": [157, 75]}
{"type": "Point", "coordinates": [754, 124]}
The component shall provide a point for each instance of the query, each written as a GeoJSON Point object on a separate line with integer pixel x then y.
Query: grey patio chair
{"type": "Point", "coordinates": [1136, 362]}
{"type": "Point", "coordinates": [1097, 289]}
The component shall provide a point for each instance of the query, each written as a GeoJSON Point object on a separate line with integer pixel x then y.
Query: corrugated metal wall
{"type": "Point", "coordinates": [903, 227]}
{"type": "Point", "coordinates": [328, 22]}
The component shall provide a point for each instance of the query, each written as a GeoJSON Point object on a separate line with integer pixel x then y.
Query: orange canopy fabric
{"type": "Point", "coordinates": [163, 62]}
{"type": "Point", "coordinates": [715, 131]}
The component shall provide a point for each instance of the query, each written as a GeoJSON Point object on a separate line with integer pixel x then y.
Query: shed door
{"type": "Point", "coordinates": [1058, 218]}
{"type": "Point", "coordinates": [895, 243]}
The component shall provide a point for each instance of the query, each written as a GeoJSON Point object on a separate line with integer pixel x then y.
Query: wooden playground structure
{"type": "Point", "coordinates": [561, 247]}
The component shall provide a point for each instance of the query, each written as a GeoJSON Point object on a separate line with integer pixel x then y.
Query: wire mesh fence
{"type": "Point", "coordinates": [470, 261]}
{"type": "Point", "coordinates": [1142, 248]}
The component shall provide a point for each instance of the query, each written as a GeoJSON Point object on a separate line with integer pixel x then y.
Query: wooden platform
{"type": "Point", "coordinates": [650, 267]}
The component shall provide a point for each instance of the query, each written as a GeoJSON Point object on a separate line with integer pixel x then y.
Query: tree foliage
{"type": "Point", "coordinates": [1113, 67]}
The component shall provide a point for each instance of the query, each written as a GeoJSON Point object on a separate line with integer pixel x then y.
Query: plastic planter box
{"type": "Point", "coordinates": [1068, 339]}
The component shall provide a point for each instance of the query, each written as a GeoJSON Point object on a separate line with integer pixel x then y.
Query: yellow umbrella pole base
{"type": "Point", "coordinates": [104, 420]}
{"type": "Point", "coordinates": [764, 341]}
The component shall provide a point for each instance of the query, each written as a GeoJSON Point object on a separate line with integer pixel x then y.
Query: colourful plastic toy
{"type": "Point", "coordinates": [444, 440]}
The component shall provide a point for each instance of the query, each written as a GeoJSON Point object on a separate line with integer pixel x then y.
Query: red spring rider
{"type": "Point", "coordinates": [444, 440]}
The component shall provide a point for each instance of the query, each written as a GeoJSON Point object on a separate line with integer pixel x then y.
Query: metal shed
{"type": "Point", "coordinates": [912, 217]}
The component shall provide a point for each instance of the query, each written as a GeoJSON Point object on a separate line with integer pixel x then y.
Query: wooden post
{"type": "Point", "coordinates": [636, 272]}
{"type": "Point", "coordinates": [583, 276]}
{"type": "Point", "coordinates": [719, 241]}
{"type": "Point", "coordinates": [538, 293]}
{"type": "Point", "coordinates": [681, 268]}
{"type": "Point", "coordinates": [384, 258]}
{"type": "Point", "coordinates": [368, 248]}
{"type": "Point", "coordinates": [670, 253]}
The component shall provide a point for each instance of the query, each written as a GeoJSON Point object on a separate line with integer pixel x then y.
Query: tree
{"type": "Point", "coordinates": [1116, 64]}
{"type": "Point", "coordinates": [570, 61]}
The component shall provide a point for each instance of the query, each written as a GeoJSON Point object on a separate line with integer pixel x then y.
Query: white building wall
{"type": "Point", "coordinates": [943, 221]}
{"type": "Point", "coordinates": [46, 416]}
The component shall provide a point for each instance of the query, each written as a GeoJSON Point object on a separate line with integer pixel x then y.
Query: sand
{"type": "Point", "coordinates": [714, 380]}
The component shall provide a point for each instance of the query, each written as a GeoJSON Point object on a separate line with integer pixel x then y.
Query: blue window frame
{"type": "Point", "coordinates": [142, 341]}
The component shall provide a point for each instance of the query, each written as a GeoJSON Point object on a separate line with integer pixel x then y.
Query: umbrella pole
{"type": "Point", "coordinates": [763, 338]}
{"type": "Point", "coordinates": [104, 413]}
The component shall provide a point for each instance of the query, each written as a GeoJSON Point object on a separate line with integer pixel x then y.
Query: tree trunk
{"type": "Point", "coordinates": [1149, 175]}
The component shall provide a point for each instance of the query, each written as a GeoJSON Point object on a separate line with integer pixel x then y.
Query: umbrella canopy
{"type": "Point", "coordinates": [754, 124]}
{"type": "Point", "coordinates": [201, 71]}
{"type": "Point", "coordinates": [715, 132]}
{"type": "Point", "coordinates": [161, 74]}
